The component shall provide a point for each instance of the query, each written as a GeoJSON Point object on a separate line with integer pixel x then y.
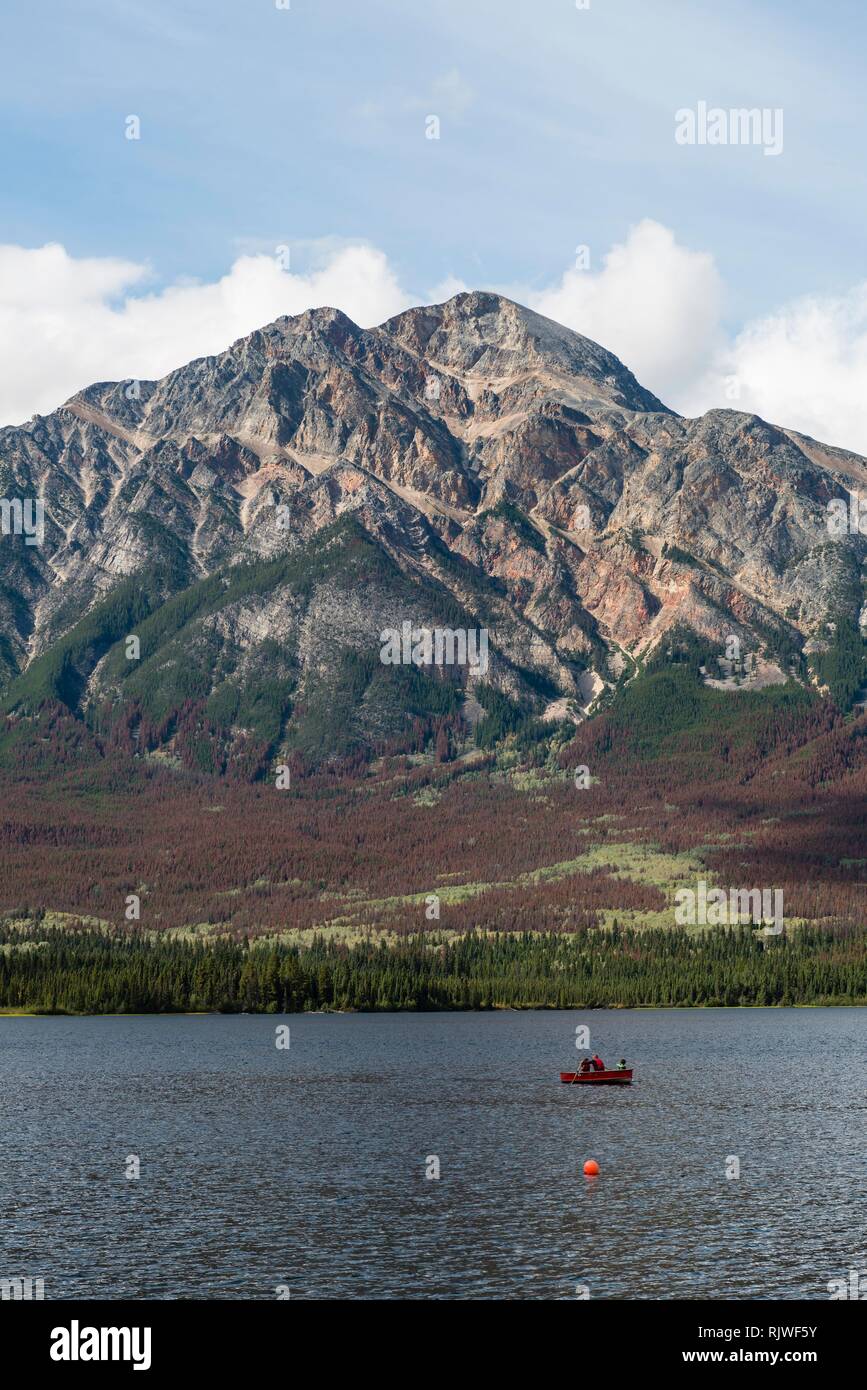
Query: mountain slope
{"type": "Point", "coordinates": [494, 470]}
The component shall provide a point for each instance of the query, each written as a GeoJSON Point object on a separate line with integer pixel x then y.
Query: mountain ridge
{"type": "Point", "coordinates": [506, 466]}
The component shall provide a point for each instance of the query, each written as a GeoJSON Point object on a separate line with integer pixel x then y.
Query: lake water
{"type": "Point", "coordinates": [306, 1168]}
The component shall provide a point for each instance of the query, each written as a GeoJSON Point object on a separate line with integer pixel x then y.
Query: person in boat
{"type": "Point", "coordinates": [584, 1065]}
{"type": "Point", "coordinates": [597, 1063]}
{"type": "Point", "coordinates": [621, 1065]}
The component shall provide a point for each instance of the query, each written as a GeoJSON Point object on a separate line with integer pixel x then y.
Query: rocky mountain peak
{"type": "Point", "coordinates": [489, 337]}
{"type": "Point", "coordinates": [499, 464]}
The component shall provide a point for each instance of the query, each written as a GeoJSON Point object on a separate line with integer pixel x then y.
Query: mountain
{"type": "Point", "coordinates": [259, 518]}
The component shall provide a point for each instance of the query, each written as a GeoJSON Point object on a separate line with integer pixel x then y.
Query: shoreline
{"type": "Point", "coordinates": [496, 1009]}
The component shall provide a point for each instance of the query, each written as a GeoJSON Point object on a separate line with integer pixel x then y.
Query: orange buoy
{"type": "Point", "coordinates": [591, 1168]}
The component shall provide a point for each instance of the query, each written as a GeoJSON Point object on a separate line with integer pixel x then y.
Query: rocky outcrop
{"type": "Point", "coordinates": [513, 465]}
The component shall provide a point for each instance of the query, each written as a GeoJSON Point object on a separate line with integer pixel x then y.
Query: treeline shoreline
{"type": "Point", "coordinates": [91, 972]}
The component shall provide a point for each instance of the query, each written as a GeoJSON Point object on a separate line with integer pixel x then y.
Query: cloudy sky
{"type": "Point", "coordinates": [283, 161]}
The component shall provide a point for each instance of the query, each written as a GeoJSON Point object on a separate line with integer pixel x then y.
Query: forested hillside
{"type": "Point", "coordinates": [546, 832]}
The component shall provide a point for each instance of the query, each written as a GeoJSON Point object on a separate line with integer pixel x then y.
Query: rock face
{"type": "Point", "coordinates": [499, 467]}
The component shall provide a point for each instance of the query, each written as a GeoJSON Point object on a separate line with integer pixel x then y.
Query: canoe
{"type": "Point", "coordinates": [597, 1078]}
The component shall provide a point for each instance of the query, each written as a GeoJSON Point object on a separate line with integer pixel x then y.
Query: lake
{"type": "Point", "coordinates": [263, 1168]}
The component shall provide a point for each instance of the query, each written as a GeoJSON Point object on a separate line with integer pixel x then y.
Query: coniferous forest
{"type": "Point", "coordinates": [90, 972]}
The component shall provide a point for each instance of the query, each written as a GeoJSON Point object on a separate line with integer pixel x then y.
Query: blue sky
{"type": "Point", "coordinates": [262, 126]}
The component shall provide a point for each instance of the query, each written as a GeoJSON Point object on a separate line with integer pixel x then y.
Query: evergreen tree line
{"type": "Point", "coordinates": [87, 971]}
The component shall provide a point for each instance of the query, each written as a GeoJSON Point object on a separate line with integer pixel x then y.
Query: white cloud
{"type": "Point", "coordinates": [450, 93]}
{"type": "Point", "coordinates": [658, 306]}
{"type": "Point", "coordinates": [448, 96]}
{"type": "Point", "coordinates": [804, 366]}
{"type": "Point", "coordinates": [447, 289]}
{"type": "Point", "coordinates": [65, 322]}
{"type": "Point", "coordinates": [653, 303]}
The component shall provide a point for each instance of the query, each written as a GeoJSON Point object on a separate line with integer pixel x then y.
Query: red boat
{"type": "Point", "coordinates": [623, 1077]}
